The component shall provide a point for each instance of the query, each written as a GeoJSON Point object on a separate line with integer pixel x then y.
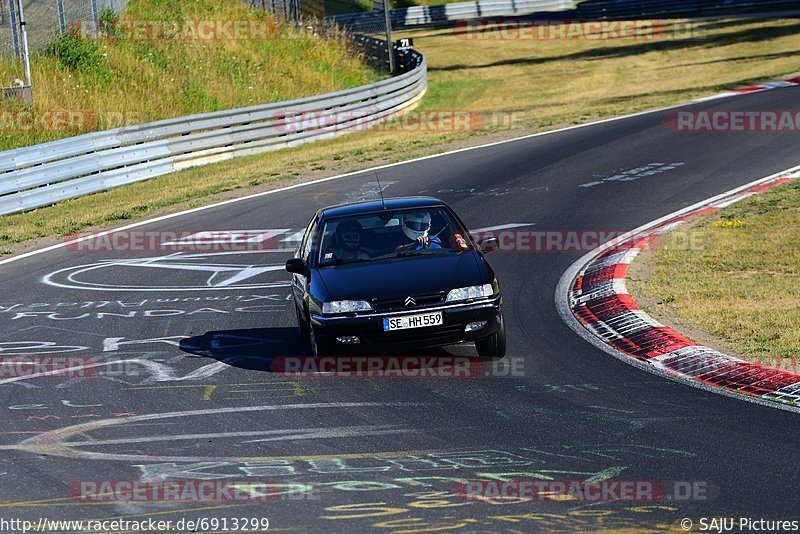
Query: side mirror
{"type": "Point", "coordinates": [296, 265]}
{"type": "Point", "coordinates": [489, 244]}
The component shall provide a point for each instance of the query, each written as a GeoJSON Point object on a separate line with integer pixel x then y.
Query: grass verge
{"type": "Point", "coordinates": [514, 87]}
{"type": "Point", "coordinates": [167, 58]}
{"type": "Point", "coordinates": [738, 286]}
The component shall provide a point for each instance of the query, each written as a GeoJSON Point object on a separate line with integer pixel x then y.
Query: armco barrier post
{"type": "Point", "coordinates": [26, 59]}
{"type": "Point", "coordinates": [62, 19]}
{"type": "Point", "coordinates": [387, 17]}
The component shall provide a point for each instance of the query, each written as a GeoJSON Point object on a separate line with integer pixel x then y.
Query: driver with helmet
{"type": "Point", "coordinates": [416, 226]}
{"type": "Point", "coordinates": [346, 242]}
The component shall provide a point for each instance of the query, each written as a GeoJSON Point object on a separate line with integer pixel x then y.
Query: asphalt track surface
{"type": "Point", "coordinates": [387, 455]}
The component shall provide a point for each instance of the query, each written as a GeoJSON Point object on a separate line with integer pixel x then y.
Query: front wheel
{"type": "Point", "coordinates": [320, 346]}
{"type": "Point", "coordinates": [302, 325]}
{"type": "Point", "coordinates": [494, 346]}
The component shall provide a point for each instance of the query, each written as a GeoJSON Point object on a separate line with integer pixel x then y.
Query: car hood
{"type": "Point", "coordinates": [401, 277]}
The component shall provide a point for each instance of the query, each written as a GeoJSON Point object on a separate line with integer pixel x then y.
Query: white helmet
{"type": "Point", "coordinates": [416, 224]}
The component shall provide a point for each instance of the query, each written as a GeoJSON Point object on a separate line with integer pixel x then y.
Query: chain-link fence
{"type": "Point", "coordinates": [342, 7]}
{"type": "Point", "coordinates": [371, 17]}
{"type": "Point", "coordinates": [44, 19]}
{"type": "Point", "coordinates": [282, 9]}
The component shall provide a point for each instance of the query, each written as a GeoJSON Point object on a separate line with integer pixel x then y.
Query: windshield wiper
{"type": "Point", "coordinates": [403, 253]}
{"type": "Point", "coordinates": [421, 252]}
{"type": "Point", "coordinates": [342, 261]}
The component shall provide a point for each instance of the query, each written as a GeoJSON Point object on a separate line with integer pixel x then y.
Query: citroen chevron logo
{"type": "Point", "coordinates": [410, 301]}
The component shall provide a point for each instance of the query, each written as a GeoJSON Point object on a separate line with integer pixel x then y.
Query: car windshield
{"type": "Point", "coordinates": [391, 234]}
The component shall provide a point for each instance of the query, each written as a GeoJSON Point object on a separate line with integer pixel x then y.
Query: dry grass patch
{"type": "Point", "coordinates": [739, 282]}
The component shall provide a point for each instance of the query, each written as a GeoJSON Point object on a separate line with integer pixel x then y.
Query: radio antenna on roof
{"type": "Point", "coordinates": [380, 189]}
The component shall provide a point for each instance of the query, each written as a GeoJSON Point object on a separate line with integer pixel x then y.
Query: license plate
{"type": "Point", "coordinates": [412, 321]}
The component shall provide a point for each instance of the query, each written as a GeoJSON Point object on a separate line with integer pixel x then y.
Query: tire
{"type": "Point", "coordinates": [302, 325]}
{"type": "Point", "coordinates": [320, 346]}
{"type": "Point", "coordinates": [494, 346]}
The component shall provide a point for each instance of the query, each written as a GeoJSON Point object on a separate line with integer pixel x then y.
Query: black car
{"type": "Point", "coordinates": [401, 273]}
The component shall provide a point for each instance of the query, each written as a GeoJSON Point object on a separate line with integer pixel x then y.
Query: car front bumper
{"type": "Point", "coordinates": [368, 327]}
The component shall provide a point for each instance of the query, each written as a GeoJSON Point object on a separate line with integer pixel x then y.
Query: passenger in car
{"type": "Point", "coordinates": [346, 243]}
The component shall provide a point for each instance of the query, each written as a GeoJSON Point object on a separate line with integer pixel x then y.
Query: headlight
{"type": "Point", "coordinates": [471, 292]}
{"type": "Point", "coordinates": [344, 306]}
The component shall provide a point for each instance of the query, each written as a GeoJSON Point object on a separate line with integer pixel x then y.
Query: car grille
{"type": "Point", "coordinates": [415, 335]}
{"type": "Point", "coordinates": [399, 304]}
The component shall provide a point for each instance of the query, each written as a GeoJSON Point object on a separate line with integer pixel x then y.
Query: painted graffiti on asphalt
{"type": "Point", "coordinates": [146, 308]}
{"type": "Point", "coordinates": [221, 271]}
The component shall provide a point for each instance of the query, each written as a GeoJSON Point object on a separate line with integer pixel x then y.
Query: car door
{"type": "Point", "coordinates": [300, 281]}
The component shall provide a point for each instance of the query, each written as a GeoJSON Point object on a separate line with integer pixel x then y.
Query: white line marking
{"type": "Point", "coordinates": [54, 442]}
{"type": "Point", "coordinates": [288, 433]}
{"type": "Point", "coordinates": [564, 289]}
{"type": "Point", "coordinates": [294, 238]}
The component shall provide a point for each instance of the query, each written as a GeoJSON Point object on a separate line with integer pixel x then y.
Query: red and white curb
{"type": "Point", "coordinates": [592, 299]}
{"type": "Point", "coordinates": [766, 86]}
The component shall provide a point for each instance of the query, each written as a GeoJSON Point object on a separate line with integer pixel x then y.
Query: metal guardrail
{"type": "Point", "coordinates": [416, 16]}
{"type": "Point", "coordinates": [610, 9]}
{"type": "Point", "coordinates": [22, 93]}
{"type": "Point", "coordinates": [44, 174]}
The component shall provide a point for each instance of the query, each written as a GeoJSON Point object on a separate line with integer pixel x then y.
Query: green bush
{"type": "Point", "coordinates": [75, 52]}
{"type": "Point", "coordinates": [109, 23]}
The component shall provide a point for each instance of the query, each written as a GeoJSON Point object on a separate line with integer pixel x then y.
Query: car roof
{"type": "Point", "coordinates": [357, 208]}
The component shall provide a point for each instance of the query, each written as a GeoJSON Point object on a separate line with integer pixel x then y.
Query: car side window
{"type": "Point", "coordinates": [308, 240]}
{"type": "Point", "coordinates": [299, 252]}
